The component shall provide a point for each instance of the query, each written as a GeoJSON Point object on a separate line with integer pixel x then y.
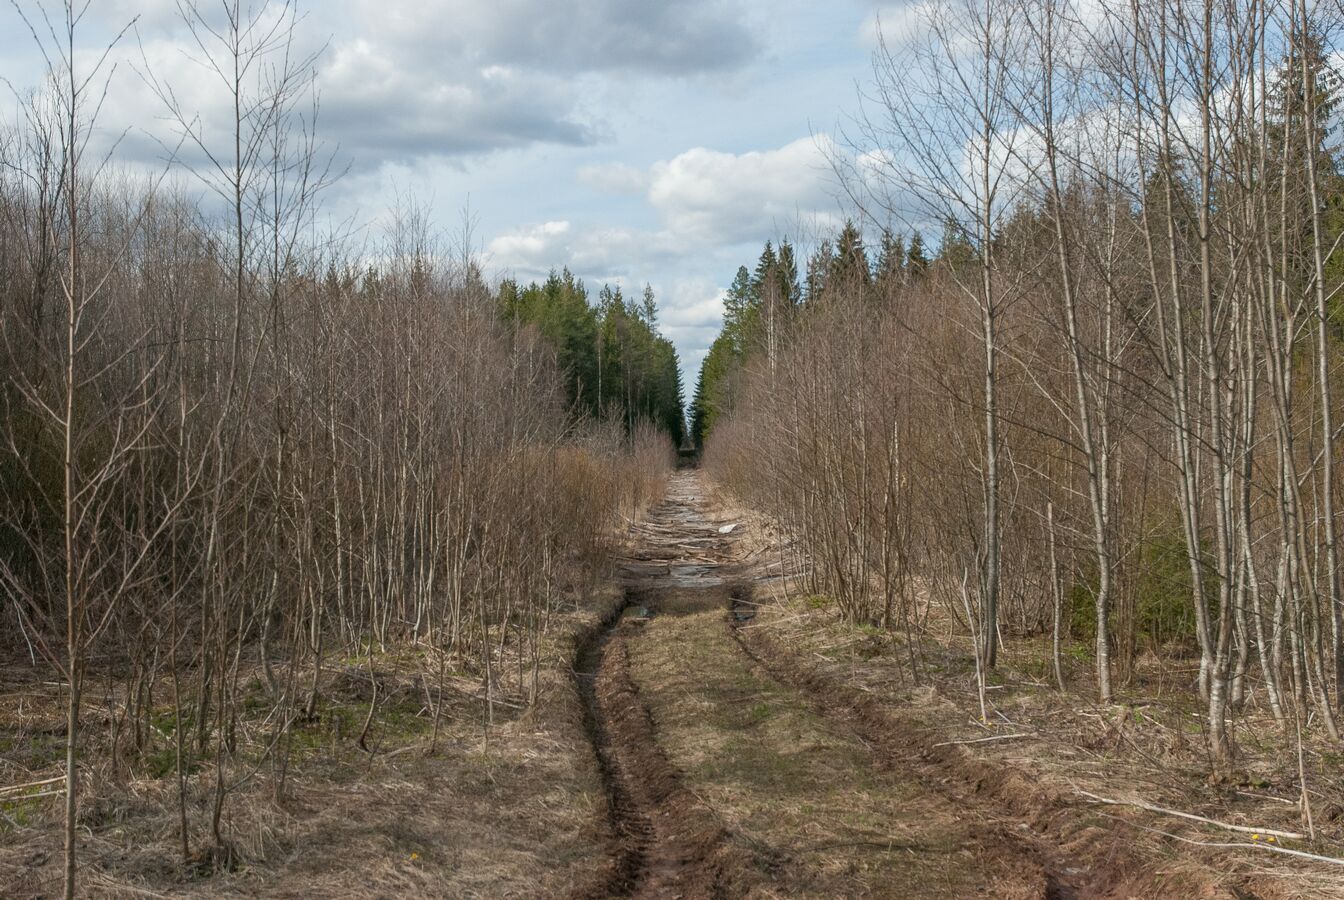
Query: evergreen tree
{"type": "Point", "coordinates": [765, 269]}
{"type": "Point", "coordinates": [613, 360]}
{"type": "Point", "coordinates": [850, 269]}
{"type": "Point", "coordinates": [791, 290]}
{"type": "Point", "coordinates": [818, 269]}
{"type": "Point", "coordinates": [916, 257]}
{"type": "Point", "coordinates": [955, 250]}
{"type": "Point", "coordinates": [737, 307]}
{"type": "Point", "coordinates": [648, 308]}
{"type": "Point", "coordinates": [890, 270]}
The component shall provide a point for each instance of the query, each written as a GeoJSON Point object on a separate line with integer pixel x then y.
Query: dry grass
{"type": "Point", "coordinates": [1150, 746]}
{"type": "Point", "coordinates": [512, 810]}
{"type": "Point", "coordinates": [1139, 750]}
{"type": "Point", "coordinates": [820, 817]}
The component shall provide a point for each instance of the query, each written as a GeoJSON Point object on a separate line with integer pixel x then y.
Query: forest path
{"type": "Point", "coordinates": [725, 780]}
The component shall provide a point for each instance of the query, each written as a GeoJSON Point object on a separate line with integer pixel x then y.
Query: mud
{"type": "Point", "coordinates": [664, 841]}
{"type": "Point", "coordinates": [667, 842]}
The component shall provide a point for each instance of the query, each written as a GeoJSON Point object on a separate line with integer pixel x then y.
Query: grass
{"type": "Point", "coordinates": [801, 793]}
{"type": "Point", "coordinates": [1148, 744]}
{"type": "Point", "coordinates": [519, 813]}
{"type": "Point", "coordinates": [32, 752]}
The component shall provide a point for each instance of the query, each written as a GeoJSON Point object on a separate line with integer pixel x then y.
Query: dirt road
{"type": "Point", "coordinates": [729, 776]}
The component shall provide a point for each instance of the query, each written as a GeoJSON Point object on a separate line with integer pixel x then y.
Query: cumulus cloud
{"type": "Point", "coordinates": [378, 107]}
{"type": "Point", "coordinates": [530, 247]}
{"type": "Point", "coordinates": [671, 36]}
{"type": "Point", "coordinates": [715, 197]}
{"type": "Point", "coordinates": [708, 201]}
{"type": "Point", "coordinates": [457, 77]}
{"type": "Point", "coordinates": [690, 313]}
{"type": "Point", "coordinates": [599, 254]}
{"type": "Point", "coordinates": [441, 78]}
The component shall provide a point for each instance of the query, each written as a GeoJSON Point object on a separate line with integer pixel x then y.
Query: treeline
{"type": "Point", "coordinates": [760, 304]}
{"type": "Point", "coordinates": [232, 449]}
{"type": "Point", "coordinates": [1107, 408]}
{"type": "Point", "coordinates": [616, 363]}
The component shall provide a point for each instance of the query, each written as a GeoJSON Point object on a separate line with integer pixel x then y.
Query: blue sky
{"type": "Point", "coordinates": [631, 140]}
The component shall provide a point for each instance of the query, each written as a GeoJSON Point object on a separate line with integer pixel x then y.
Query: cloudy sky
{"type": "Point", "coordinates": [634, 141]}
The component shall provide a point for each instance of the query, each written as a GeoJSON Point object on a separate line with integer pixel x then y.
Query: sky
{"type": "Point", "coordinates": [633, 141]}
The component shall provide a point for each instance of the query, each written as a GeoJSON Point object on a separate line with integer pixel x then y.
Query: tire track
{"type": "Point", "coordinates": [665, 841]}
{"type": "Point", "coordinates": [1077, 863]}
{"type": "Point", "coordinates": [1029, 865]}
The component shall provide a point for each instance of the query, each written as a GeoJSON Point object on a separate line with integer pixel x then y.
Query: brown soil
{"type": "Point", "coordinates": [668, 844]}
{"type": "Point", "coordinates": [664, 841]}
{"type": "Point", "coordinates": [1037, 822]}
{"type": "Point", "coordinates": [839, 819]}
{"type": "Point", "coordinates": [1028, 767]}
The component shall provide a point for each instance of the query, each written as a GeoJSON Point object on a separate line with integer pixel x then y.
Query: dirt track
{"type": "Point", "coordinates": [730, 772]}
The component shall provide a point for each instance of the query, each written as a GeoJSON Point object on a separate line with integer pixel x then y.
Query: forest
{"type": "Point", "coordinates": [237, 451]}
{"type": "Point", "coordinates": [1104, 407]}
{"type": "Point", "coordinates": [334, 563]}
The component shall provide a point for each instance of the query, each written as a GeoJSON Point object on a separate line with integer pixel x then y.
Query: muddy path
{"type": "Point", "coordinates": [665, 841]}
{"type": "Point", "coordinates": [729, 774]}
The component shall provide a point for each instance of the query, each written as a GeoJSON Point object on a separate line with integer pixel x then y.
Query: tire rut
{"type": "Point", "coordinates": [1078, 864]}
{"type": "Point", "coordinates": [1040, 870]}
{"type": "Point", "coordinates": [665, 841]}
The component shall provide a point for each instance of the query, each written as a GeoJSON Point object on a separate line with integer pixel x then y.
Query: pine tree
{"type": "Point", "coordinates": [648, 308]}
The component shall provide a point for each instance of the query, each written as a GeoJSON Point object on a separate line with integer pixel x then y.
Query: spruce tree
{"type": "Point", "coordinates": [916, 257]}
{"type": "Point", "coordinates": [890, 272]}
{"type": "Point", "coordinates": [849, 269]}
{"type": "Point", "coordinates": [792, 291]}
{"type": "Point", "coordinates": [818, 269]}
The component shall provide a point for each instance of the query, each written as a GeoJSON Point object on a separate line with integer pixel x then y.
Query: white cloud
{"type": "Point", "coordinates": [531, 246]}
{"type": "Point", "coordinates": [710, 203]}
{"type": "Point", "coordinates": [615, 254]}
{"type": "Point", "coordinates": [691, 303]}
{"type": "Point", "coordinates": [724, 198]}
{"type": "Point", "coordinates": [403, 81]}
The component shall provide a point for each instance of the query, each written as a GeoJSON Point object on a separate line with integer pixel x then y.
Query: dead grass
{"type": "Point", "coordinates": [513, 810]}
{"type": "Point", "coordinates": [820, 819]}
{"type": "Point", "coordinates": [1150, 746]}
